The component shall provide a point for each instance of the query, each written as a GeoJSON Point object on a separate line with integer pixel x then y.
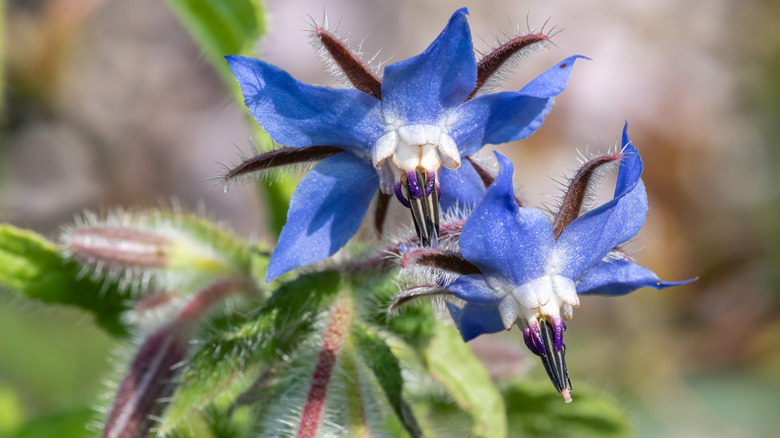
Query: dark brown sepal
{"type": "Point", "coordinates": [356, 71]}
{"type": "Point", "coordinates": [283, 156]}
{"type": "Point", "coordinates": [492, 62]}
{"type": "Point", "coordinates": [577, 191]}
{"type": "Point", "coordinates": [408, 295]}
{"type": "Point", "coordinates": [448, 261]}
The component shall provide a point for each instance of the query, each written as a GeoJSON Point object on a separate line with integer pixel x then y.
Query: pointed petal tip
{"type": "Point", "coordinates": [569, 62]}
{"type": "Point", "coordinates": [505, 167]}
{"type": "Point", "coordinates": [464, 11]}
{"type": "Point", "coordinates": [665, 284]}
{"type": "Point", "coordinates": [274, 271]}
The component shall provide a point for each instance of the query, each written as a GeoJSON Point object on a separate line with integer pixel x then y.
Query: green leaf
{"type": "Point", "coordinates": [222, 28]}
{"type": "Point", "coordinates": [535, 409]}
{"type": "Point", "coordinates": [233, 27]}
{"type": "Point", "coordinates": [229, 353]}
{"type": "Point", "coordinates": [381, 360]}
{"type": "Point", "coordinates": [34, 267]}
{"type": "Point", "coordinates": [452, 363]}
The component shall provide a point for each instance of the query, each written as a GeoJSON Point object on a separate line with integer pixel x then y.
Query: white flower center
{"type": "Point", "coordinates": [410, 147]}
{"type": "Point", "coordinates": [547, 295]}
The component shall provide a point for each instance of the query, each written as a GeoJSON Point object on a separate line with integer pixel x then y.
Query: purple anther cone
{"type": "Point", "coordinates": [559, 328]}
{"type": "Point", "coordinates": [529, 342]}
{"type": "Point", "coordinates": [415, 192]}
{"type": "Point", "coordinates": [536, 336]}
{"type": "Point", "coordinates": [431, 183]}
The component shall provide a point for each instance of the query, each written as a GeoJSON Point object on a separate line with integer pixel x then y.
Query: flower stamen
{"type": "Point", "coordinates": [554, 355]}
{"type": "Point", "coordinates": [424, 204]}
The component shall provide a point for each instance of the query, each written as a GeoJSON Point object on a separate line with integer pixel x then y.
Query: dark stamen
{"type": "Point", "coordinates": [554, 358]}
{"type": "Point", "coordinates": [487, 177]}
{"type": "Point", "coordinates": [492, 62]}
{"type": "Point", "coordinates": [449, 261]}
{"type": "Point", "coordinates": [358, 74]}
{"type": "Point", "coordinates": [382, 203]}
{"type": "Point", "coordinates": [575, 195]}
{"type": "Point", "coordinates": [281, 157]}
{"type": "Point", "coordinates": [425, 209]}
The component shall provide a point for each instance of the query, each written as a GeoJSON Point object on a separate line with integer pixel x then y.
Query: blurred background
{"type": "Point", "coordinates": [110, 104]}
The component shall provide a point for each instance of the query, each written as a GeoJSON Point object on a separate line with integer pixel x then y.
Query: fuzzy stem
{"type": "Point", "coordinates": [355, 411]}
{"type": "Point", "coordinates": [212, 294]}
{"type": "Point", "coordinates": [323, 370]}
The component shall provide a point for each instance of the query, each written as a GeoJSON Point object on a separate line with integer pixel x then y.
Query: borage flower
{"type": "Point", "coordinates": [518, 267]}
{"type": "Point", "coordinates": [394, 135]}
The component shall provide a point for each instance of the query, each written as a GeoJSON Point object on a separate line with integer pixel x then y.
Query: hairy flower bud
{"type": "Point", "coordinates": [165, 249]}
{"type": "Point", "coordinates": [151, 378]}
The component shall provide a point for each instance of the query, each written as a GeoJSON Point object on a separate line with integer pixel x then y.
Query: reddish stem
{"type": "Point", "coordinates": [332, 339]}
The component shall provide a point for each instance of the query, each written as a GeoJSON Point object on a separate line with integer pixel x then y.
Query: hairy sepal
{"type": "Point", "coordinates": [148, 250]}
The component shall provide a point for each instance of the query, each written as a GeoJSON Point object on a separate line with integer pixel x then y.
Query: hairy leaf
{"type": "Point", "coordinates": [228, 354]}
{"type": "Point", "coordinates": [380, 359]}
{"type": "Point", "coordinates": [34, 267]}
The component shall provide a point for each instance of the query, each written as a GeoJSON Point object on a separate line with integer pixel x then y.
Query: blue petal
{"type": "Point", "coordinates": [326, 210]}
{"type": "Point", "coordinates": [474, 289]}
{"type": "Point", "coordinates": [419, 89]}
{"type": "Point", "coordinates": [508, 116]}
{"type": "Point", "coordinates": [630, 166]}
{"type": "Point", "coordinates": [461, 187]}
{"type": "Point", "coordinates": [552, 82]}
{"type": "Point", "coordinates": [298, 114]}
{"type": "Point", "coordinates": [619, 277]}
{"type": "Point", "coordinates": [590, 237]}
{"type": "Point", "coordinates": [504, 240]}
{"type": "Point", "coordinates": [475, 319]}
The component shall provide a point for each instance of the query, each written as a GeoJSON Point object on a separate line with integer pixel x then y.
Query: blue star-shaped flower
{"type": "Point", "coordinates": [518, 267]}
{"type": "Point", "coordinates": [394, 135]}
